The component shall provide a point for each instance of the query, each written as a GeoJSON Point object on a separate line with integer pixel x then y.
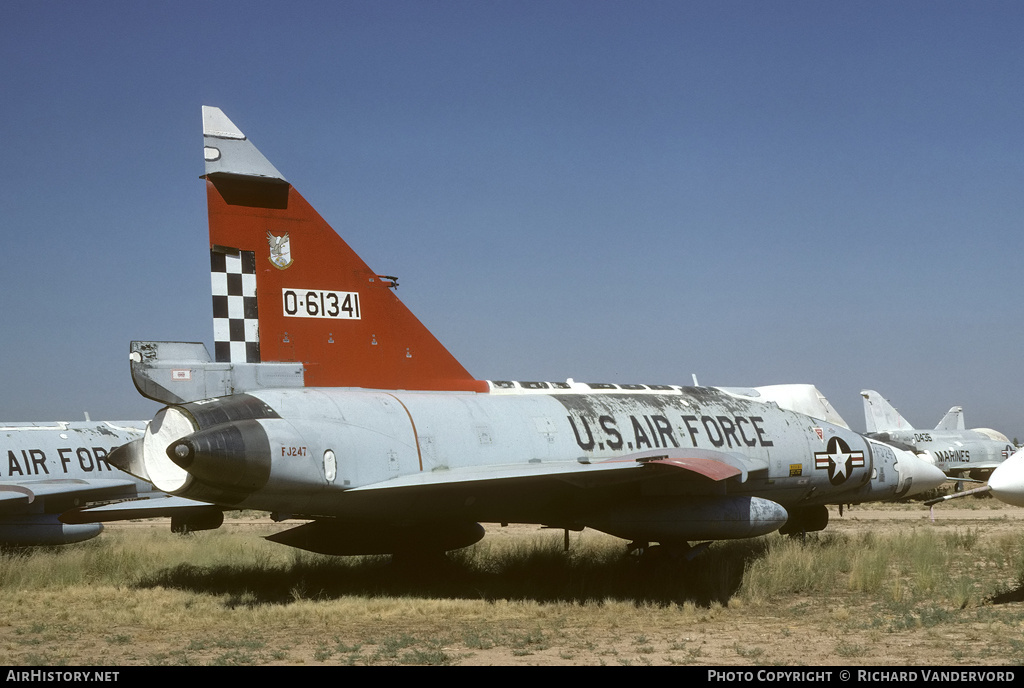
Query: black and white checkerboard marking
{"type": "Point", "coordinates": [236, 337]}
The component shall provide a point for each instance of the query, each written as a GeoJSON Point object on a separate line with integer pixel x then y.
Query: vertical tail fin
{"type": "Point", "coordinates": [953, 420]}
{"type": "Point", "coordinates": [287, 288]}
{"type": "Point", "coordinates": [880, 416]}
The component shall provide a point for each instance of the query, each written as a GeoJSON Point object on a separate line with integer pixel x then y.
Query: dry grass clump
{"type": "Point", "coordinates": [226, 598]}
{"type": "Point", "coordinates": [902, 567]}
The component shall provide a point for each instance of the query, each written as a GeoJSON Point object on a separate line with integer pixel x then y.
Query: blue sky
{"type": "Point", "coordinates": [755, 192]}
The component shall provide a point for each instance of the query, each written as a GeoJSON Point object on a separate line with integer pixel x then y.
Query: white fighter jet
{"type": "Point", "coordinates": [328, 401]}
{"type": "Point", "coordinates": [958, 452]}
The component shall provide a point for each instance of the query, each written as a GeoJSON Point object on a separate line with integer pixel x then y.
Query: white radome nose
{"type": "Point", "coordinates": [1007, 480]}
{"type": "Point", "coordinates": [924, 475]}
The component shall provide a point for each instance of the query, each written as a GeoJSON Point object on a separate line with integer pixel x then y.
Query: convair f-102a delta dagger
{"type": "Point", "coordinates": [47, 469]}
{"type": "Point", "coordinates": [328, 401]}
{"type": "Point", "coordinates": [1005, 484]}
{"type": "Point", "coordinates": [958, 452]}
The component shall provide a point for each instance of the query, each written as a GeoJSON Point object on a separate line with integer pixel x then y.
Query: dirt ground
{"type": "Point", "coordinates": [841, 630]}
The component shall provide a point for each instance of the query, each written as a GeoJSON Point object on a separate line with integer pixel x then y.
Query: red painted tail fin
{"type": "Point", "coordinates": [287, 288]}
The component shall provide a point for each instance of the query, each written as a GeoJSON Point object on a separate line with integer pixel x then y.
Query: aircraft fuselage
{"type": "Point", "coordinates": [307, 452]}
{"type": "Point", "coordinates": [956, 453]}
{"type": "Point", "coordinates": [47, 468]}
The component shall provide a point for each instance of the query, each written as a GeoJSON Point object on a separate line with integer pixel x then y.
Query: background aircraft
{"type": "Point", "coordinates": [328, 400]}
{"type": "Point", "coordinates": [959, 453]}
{"type": "Point", "coordinates": [48, 468]}
{"type": "Point", "coordinates": [1006, 483]}
{"type": "Point", "coordinates": [53, 468]}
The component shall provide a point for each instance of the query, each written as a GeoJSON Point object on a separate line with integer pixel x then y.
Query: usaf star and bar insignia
{"type": "Point", "coordinates": [839, 460]}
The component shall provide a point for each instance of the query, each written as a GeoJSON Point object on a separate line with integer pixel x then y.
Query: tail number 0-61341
{"type": "Point", "coordinates": [317, 303]}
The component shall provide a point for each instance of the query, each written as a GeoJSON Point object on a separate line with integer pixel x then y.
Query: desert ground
{"type": "Point", "coordinates": [881, 586]}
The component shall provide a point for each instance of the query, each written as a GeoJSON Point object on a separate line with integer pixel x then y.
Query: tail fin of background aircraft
{"type": "Point", "coordinates": [953, 420]}
{"type": "Point", "coordinates": [880, 416]}
{"type": "Point", "coordinates": [287, 288]}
